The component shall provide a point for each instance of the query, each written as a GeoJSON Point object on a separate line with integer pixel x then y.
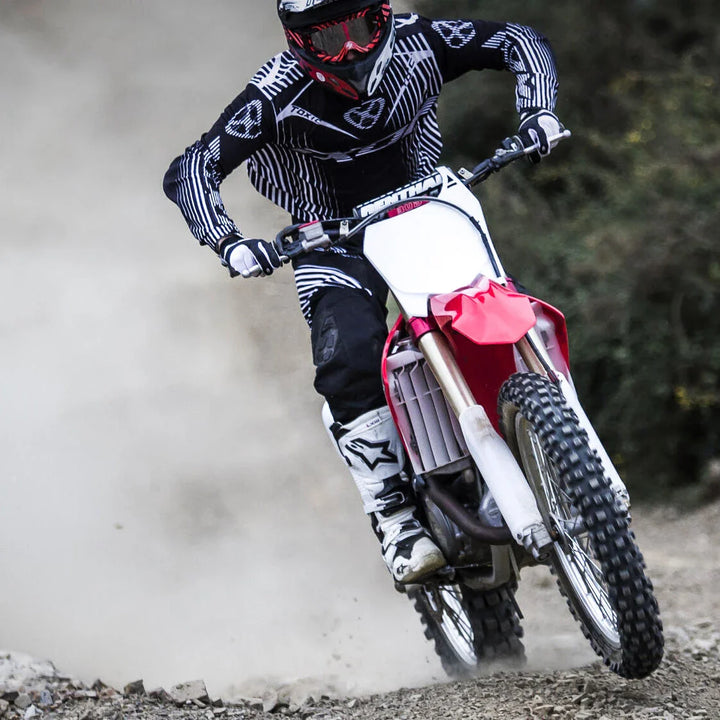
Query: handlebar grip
{"type": "Point", "coordinates": [254, 271]}
{"type": "Point", "coordinates": [552, 141]}
{"type": "Point", "coordinates": [564, 135]}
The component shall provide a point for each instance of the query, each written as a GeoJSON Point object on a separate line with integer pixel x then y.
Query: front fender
{"type": "Point", "coordinates": [486, 314]}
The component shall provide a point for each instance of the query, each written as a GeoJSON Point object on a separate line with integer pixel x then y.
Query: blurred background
{"type": "Point", "coordinates": [620, 230]}
{"type": "Point", "coordinates": [171, 507]}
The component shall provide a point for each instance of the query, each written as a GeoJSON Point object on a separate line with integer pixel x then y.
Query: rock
{"type": "Point", "coordinates": [22, 701]}
{"type": "Point", "coordinates": [294, 696]}
{"type": "Point", "coordinates": [704, 623]}
{"type": "Point", "coordinates": [189, 691]}
{"type": "Point", "coordinates": [84, 694]}
{"type": "Point", "coordinates": [270, 700]}
{"type": "Point", "coordinates": [136, 687]}
{"type": "Point", "coordinates": [31, 712]}
{"type": "Point", "coordinates": [4, 705]}
{"type": "Point", "coordinates": [701, 647]}
{"type": "Point", "coordinates": [161, 695]}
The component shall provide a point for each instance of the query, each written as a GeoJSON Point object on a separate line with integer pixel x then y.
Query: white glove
{"type": "Point", "coordinates": [248, 256]}
{"type": "Point", "coordinates": [537, 129]}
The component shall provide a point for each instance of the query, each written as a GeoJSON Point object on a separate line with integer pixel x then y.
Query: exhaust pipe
{"type": "Point", "coordinates": [473, 526]}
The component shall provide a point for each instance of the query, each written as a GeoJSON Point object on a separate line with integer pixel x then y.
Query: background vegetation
{"type": "Point", "coordinates": [620, 227]}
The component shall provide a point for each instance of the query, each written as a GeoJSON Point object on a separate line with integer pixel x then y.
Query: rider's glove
{"type": "Point", "coordinates": [244, 255]}
{"type": "Point", "coordinates": [536, 128]}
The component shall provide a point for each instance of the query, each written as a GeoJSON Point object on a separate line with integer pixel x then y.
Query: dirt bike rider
{"type": "Point", "coordinates": [347, 113]}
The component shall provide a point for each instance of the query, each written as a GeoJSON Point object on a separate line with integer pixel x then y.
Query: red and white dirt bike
{"type": "Point", "coordinates": [505, 464]}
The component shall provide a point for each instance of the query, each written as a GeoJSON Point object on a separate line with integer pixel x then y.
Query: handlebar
{"type": "Point", "coordinates": [295, 240]}
{"type": "Point", "coordinates": [511, 149]}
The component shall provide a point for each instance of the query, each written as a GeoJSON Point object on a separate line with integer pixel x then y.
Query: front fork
{"type": "Point", "coordinates": [494, 459]}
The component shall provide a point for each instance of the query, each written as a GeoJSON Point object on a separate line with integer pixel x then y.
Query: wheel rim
{"type": "Point", "coordinates": [574, 552]}
{"type": "Point", "coordinates": [446, 605]}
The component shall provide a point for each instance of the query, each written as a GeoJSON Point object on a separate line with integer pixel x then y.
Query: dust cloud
{"type": "Point", "coordinates": [171, 507]}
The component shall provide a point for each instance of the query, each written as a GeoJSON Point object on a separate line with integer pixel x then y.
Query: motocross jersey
{"type": "Point", "coordinates": [318, 154]}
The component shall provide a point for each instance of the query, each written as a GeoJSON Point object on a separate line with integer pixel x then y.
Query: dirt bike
{"type": "Point", "coordinates": [505, 464]}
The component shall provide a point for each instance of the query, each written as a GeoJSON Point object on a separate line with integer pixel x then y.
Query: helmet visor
{"type": "Point", "coordinates": [332, 41]}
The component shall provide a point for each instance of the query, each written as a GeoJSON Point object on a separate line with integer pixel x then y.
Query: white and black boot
{"type": "Point", "coordinates": [372, 448]}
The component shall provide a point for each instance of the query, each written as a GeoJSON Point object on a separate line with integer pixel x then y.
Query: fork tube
{"type": "Point", "coordinates": [529, 356]}
{"type": "Point", "coordinates": [491, 454]}
{"type": "Point", "coordinates": [439, 357]}
{"type": "Point", "coordinates": [532, 350]}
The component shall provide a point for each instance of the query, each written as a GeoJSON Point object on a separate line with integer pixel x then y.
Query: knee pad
{"type": "Point", "coordinates": [348, 336]}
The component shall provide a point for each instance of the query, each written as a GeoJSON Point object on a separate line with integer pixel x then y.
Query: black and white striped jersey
{"type": "Point", "coordinates": [317, 154]}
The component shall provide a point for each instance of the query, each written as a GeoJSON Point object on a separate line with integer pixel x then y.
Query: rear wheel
{"type": "Point", "coordinates": [595, 558]}
{"type": "Point", "coordinates": [470, 628]}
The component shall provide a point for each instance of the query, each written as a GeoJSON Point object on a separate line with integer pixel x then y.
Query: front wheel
{"type": "Point", "coordinates": [595, 557]}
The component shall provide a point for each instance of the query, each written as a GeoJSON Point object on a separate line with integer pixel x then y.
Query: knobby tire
{"type": "Point", "coordinates": [598, 565]}
{"type": "Point", "coordinates": [487, 620]}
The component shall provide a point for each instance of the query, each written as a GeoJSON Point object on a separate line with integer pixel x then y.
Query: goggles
{"type": "Point", "coordinates": [332, 41]}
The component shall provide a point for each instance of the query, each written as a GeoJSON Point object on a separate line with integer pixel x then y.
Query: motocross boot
{"type": "Point", "coordinates": [372, 449]}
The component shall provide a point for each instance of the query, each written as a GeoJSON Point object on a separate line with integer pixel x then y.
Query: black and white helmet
{"type": "Point", "coordinates": [345, 44]}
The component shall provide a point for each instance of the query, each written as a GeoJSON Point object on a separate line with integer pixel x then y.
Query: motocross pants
{"type": "Point", "coordinates": [343, 300]}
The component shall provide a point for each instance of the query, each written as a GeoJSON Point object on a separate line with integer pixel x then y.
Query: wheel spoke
{"type": "Point", "coordinates": [560, 499]}
{"type": "Point", "coordinates": [574, 551]}
{"type": "Point", "coordinates": [451, 617]}
{"type": "Point", "coordinates": [590, 569]}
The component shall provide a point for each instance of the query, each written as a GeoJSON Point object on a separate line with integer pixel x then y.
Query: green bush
{"type": "Point", "coordinates": [619, 228]}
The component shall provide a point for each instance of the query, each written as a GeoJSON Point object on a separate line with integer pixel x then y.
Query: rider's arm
{"type": "Point", "coordinates": [462, 45]}
{"type": "Point", "coordinates": [193, 179]}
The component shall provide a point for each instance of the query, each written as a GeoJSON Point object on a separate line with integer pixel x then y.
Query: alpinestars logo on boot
{"type": "Point", "coordinates": [372, 453]}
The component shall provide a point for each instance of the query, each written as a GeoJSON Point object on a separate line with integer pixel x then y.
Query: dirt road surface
{"type": "Point", "coordinates": [171, 507]}
{"type": "Point", "coordinates": [683, 559]}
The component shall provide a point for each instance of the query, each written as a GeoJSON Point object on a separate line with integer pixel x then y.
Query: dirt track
{"type": "Point", "coordinates": [171, 508]}
{"type": "Point", "coordinates": [682, 554]}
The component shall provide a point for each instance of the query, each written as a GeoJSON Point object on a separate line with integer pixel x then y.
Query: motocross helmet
{"type": "Point", "coordinates": [344, 44]}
